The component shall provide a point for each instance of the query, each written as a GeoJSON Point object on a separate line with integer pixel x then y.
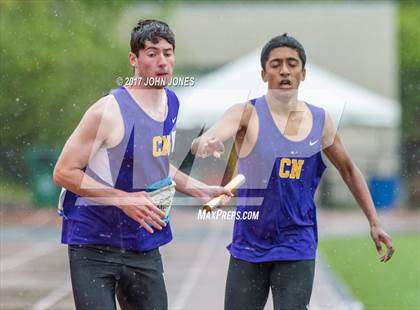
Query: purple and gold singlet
{"type": "Point", "coordinates": [281, 179]}
{"type": "Point", "coordinates": [140, 159]}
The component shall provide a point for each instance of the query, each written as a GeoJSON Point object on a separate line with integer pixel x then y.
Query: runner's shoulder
{"type": "Point", "coordinates": [102, 104]}
{"type": "Point", "coordinates": [249, 107]}
{"type": "Point", "coordinates": [104, 107]}
{"type": "Point", "coordinates": [102, 113]}
{"type": "Point", "coordinates": [329, 131]}
{"type": "Point", "coordinates": [243, 108]}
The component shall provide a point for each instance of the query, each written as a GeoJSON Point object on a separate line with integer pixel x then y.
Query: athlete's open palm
{"type": "Point", "coordinates": [212, 146]}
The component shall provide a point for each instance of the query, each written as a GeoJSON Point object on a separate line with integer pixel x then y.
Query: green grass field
{"type": "Point", "coordinates": [394, 285]}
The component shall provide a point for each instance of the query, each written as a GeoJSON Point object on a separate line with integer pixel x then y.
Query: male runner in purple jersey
{"type": "Point", "coordinates": [278, 141]}
{"type": "Point", "coordinates": [120, 149]}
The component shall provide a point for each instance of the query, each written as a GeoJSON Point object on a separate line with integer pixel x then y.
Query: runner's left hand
{"type": "Point", "coordinates": [379, 236]}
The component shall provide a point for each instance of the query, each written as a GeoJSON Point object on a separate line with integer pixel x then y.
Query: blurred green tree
{"type": "Point", "coordinates": [56, 59]}
{"type": "Point", "coordinates": [409, 34]}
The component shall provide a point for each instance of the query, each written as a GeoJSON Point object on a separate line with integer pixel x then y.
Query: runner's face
{"type": "Point", "coordinates": [283, 70]}
{"type": "Point", "coordinates": [155, 61]}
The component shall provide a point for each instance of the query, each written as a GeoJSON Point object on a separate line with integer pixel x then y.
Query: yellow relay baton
{"type": "Point", "coordinates": [216, 201]}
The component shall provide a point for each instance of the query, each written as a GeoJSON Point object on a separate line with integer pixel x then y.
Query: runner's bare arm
{"type": "Point", "coordinates": [82, 145]}
{"type": "Point", "coordinates": [91, 133]}
{"type": "Point", "coordinates": [195, 188]}
{"type": "Point", "coordinates": [211, 142]}
{"type": "Point", "coordinates": [355, 181]}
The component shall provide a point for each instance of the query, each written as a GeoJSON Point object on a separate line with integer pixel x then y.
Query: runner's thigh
{"type": "Point", "coordinates": [143, 286]}
{"type": "Point", "coordinates": [291, 284]}
{"type": "Point", "coordinates": [247, 285]}
{"type": "Point", "coordinates": [93, 281]}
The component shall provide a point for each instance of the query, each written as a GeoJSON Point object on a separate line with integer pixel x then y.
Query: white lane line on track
{"type": "Point", "coordinates": [25, 256]}
{"type": "Point", "coordinates": [205, 252]}
{"type": "Point", "coordinates": [53, 297]}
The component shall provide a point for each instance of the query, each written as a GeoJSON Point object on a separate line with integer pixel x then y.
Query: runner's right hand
{"type": "Point", "coordinates": [140, 207]}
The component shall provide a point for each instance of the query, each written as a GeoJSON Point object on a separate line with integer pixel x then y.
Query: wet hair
{"type": "Point", "coordinates": [150, 30]}
{"type": "Point", "coordinates": [282, 41]}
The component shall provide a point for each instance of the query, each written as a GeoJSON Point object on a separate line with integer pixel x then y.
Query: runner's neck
{"type": "Point", "coordinates": [283, 105]}
{"type": "Point", "coordinates": [149, 99]}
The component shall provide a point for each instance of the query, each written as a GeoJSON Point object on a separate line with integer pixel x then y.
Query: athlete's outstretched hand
{"type": "Point", "coordinates": [210, 146]}
{"type": "Point", "coordinates": [139, 207]}
{"type": "Point", "coordinates": [379, 236]}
